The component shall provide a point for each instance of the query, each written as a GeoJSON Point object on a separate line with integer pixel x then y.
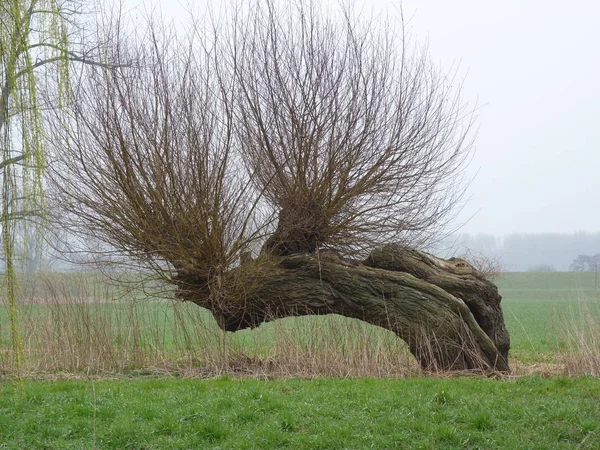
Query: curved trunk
{"type": "Point", "coordinates": [449, 316]}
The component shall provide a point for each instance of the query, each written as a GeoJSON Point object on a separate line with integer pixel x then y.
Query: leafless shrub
{"type": "Point", "coordinates": [151, 167]}
{"type": "Point", "coordinates": [331, 126]}
{"type": "Point", "coordinates": [207, 158]}
{"type": "Point", "coordinates": [353, 137]}
{"type": "Point", "coordinates": [488, 267]}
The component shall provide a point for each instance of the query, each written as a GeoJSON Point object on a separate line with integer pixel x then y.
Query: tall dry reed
{"type": "Point", "coordinates": [80, 323]}
{"type": "Point", "coordinates": [582, 334]}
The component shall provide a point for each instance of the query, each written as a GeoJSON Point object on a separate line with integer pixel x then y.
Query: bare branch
{"type": "Point", "coordinates": [231, 164]}
{"type": "Point", "coordinates": [11, 161]}
{"type": "Point", "coordinates": [353, 141]}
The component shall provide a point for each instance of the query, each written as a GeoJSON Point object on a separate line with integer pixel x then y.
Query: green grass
{"type": "Point", "coordinates": [555, 286]}
{"type": "Point", "coordinates": [318, 414]}
{"type": "Point", "coordinates": [540, 307]}
{"type": "Point", "coordinates": [172, 413]}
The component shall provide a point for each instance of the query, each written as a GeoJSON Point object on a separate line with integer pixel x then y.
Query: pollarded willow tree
{"type": "Point", "coordinates": [286, 164]}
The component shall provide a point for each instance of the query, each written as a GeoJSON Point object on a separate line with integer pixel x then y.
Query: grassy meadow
{"type": "Point", "coordinates": [551, 316]}
{"type": "Point", "coordinates": [324, 413]}
{"type": "Point", "coordinates": [112, 368]}
{"type": "Point", "coordinates": [83, 323]}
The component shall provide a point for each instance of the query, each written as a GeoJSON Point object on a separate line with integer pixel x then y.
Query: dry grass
{"type": "Point", "coordinates": [489, 267]}
{"type": "Point", "coordinates": [583, 336]}
{"type": "Point", "coordinates": [80, 325]}
{"type": "Point", "coordinates": [543, 369]}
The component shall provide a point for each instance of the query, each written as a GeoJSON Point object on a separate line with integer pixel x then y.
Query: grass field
{"type": "Point", "coordinates": [542, 311]}
{"type": "Point", "coordinates": [123, 371]}
{"type": "Point", "coordinates": [413, 413]}
{"type": "Point", "coordinates": [81, 323]}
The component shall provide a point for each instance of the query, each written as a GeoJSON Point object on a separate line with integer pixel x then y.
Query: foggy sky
{"type": "Point", "coordinates": [532, 68]}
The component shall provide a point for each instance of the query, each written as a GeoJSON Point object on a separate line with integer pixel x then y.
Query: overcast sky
{"type": "Point", "coordinates": [533, 68]}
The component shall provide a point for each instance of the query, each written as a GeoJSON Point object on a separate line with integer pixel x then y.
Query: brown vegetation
{"type": "Point", "coordinates": [233, 163]}
{"type": "Point", "coordinates": [123, 333]}
{"type": "Point", "coordinates": [583, 335]}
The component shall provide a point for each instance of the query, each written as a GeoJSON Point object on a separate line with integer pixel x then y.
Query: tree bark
{"type": "Point", "coordinates": [446, 312]}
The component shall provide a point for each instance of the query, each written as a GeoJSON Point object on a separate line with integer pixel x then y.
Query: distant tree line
{"type": "Point", "coordinates": [586, 263]}
{"type": "Point", "coordinates": [542, 268]}
{"type": "Point", "coordinates": [520, 252]}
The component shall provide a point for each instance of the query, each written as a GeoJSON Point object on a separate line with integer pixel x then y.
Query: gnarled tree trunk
{"type": "Point", "coordinates": [446, 312]}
